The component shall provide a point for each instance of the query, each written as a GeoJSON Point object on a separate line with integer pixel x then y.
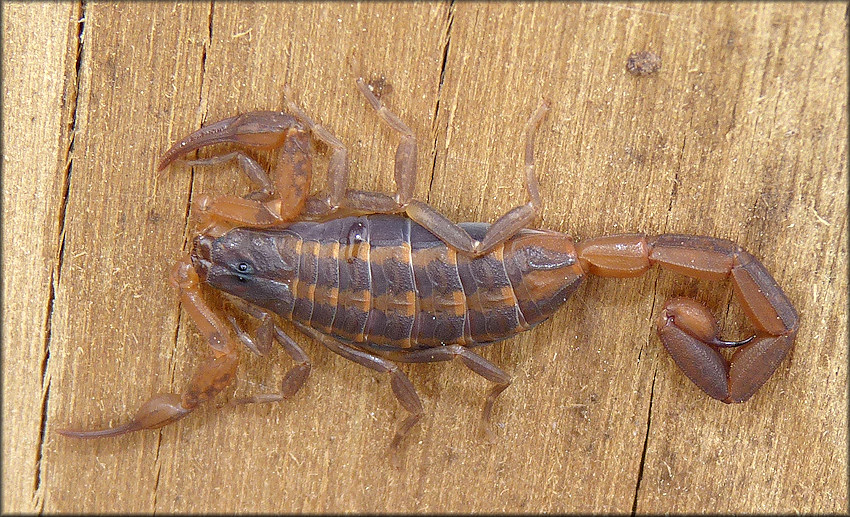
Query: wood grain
{"type": "Point", "coordinates": [741, 134]}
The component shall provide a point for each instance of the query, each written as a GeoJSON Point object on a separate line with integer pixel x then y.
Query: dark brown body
{"type": "Point", "coordinates": [385, 282]}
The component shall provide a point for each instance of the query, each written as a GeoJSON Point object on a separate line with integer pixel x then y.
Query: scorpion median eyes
{"type": "Point", "coordinates": [383, 279]}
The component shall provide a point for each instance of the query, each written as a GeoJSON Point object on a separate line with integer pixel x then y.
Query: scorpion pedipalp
{"type": "Point", "coordinates": [158, 411]}
{"type": "Point", "coordinates": [211, 377]}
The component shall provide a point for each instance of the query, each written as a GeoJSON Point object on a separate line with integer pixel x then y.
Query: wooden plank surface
{"type": "Point", "coordinates": [38, 103]}
{"type": "Point", "coordinates": [741, 134]}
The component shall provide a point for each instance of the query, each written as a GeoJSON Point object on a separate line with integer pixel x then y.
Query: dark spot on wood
{"type": "Point", "coordinates": [637, 157]}
{"type": "Point", "coordinates": [153, 217]}
{"type": "Point", "coordinates": [380, 86]}
{"type": "Point", "coordinates": [643, 63]}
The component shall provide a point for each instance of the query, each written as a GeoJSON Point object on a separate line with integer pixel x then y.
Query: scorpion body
{"type": "Point", "coordinates": [384, 282]}
{"type": "Point", "coordinates": [382, 279]}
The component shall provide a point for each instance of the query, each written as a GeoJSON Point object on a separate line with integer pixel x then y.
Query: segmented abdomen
{"type": "Point", "coordinates": [385, 281]}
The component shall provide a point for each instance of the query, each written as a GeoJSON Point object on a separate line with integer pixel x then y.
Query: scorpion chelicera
{"type": "Point", "coordinates": [382, 279]}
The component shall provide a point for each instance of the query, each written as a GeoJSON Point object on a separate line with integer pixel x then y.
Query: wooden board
{"type": "Point", "coordinates": [741, 134]}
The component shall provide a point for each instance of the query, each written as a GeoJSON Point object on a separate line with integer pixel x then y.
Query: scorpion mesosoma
{"type": "Point", "coordinates": [382, 279]}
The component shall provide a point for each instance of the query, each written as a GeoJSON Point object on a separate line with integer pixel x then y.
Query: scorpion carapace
{"type": "Point", "coordinates": [384, 279]}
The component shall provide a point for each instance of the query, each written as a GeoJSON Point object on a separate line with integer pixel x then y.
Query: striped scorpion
{"type": "Point", "coordinates": [384, 279]}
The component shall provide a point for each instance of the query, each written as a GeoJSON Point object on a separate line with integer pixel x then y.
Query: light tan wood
{"type": "Point", "coordinates": [38, 103]}
{"type": "Point", "coordinates": [741, 134]}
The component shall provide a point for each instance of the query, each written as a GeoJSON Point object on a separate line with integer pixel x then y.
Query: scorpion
{"type": "Point", "coordinates": [384, 279]}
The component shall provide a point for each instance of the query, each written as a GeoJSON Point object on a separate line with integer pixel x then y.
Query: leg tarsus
{"type": "Point", "coordinates": [492, 373]}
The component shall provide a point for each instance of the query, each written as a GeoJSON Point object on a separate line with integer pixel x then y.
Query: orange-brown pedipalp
{"type": "Point", "coordinates": [211, 377]}
{"type": "Point", "coordinates": [277, 201]}
{"type": "Point", "coordinates": [686, 328]}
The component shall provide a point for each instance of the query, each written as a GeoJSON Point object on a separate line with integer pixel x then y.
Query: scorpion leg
{"type": "Point", "coordinates": [405, 156]}
{"type": "Point", "coordinates": [449, 232]}
{"type": "Point", "coordinates": [338, 167]}
{"type": "Point", "coordinates": [402, 387]}
{"type": "Point", "coordinates": [211, 377]}
{"type": "Point", "coordinates": [261, 345]}
{"type": "Point", "coordinates": [687, 328]}
{"type": "Point", "coordinates": [267, 331]}
{"type": "Point", "coordinates": [471, 360]}
{"type": "Point", "coordinates": [360, 201]}
{"type": "Point", "coordinates": [507, 225]}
